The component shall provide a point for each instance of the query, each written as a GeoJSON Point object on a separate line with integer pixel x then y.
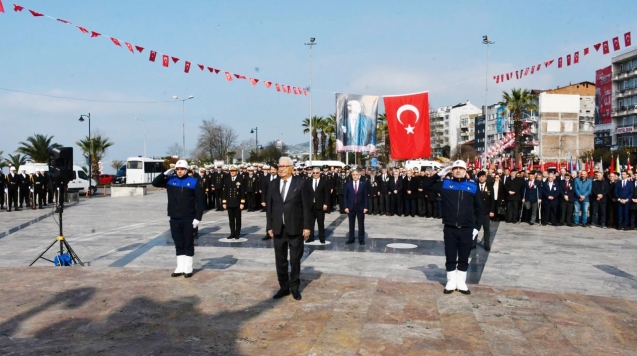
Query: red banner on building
{"type": "Point", "coordinates": [603, 95]}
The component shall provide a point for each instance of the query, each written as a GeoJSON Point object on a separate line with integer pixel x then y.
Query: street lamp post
{"type": "Point", "coordinates": [485, 40]}
{"type": "Point", "coordinates": [144, 134]}
{"type": "Point", "coordinates": [311, 43]}
{"type": "Point", "coordinates": [255, 131]}
{"type": "Point", "coordinates": [90, 152]}
{"type": "Point", "coordinates": [183, 122]}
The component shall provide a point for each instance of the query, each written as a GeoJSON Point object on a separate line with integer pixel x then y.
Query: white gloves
{"type": "Point", "coordinates": [169, 172]}
{"type": "Point", "coordinates": [444, 171]}
{"type": "Point", "coordinates": [6, 190]}
{"type": "Point", "coordinates": [475, 233]}
{"type": "Point", "coordinates": [195, 223]}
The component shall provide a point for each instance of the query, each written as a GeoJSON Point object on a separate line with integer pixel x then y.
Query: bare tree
{"type": "Point", "coordinates": [214, 140]}
{"type": "Point", "coordinates": [174, 149]}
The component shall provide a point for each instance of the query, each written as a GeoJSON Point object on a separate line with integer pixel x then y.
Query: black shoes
{"type": "Point", "coordinates": [350, 242]}
{"type": "Point", "coordinates": [266, 238]}
{"type": "Point", "coordinates": [310, 239]}
{"type": "Point", "coordinates": [361, 242]}
{"type": "Point", "coordinates": [322, 241]}
{"type": "Point", "coordinates": [177, 274]}
{"type": "Point", "coordinates": [296, 294]}
{"type": "Point", "coordinates": [187, 275]}
{"type": "Point", "coordinates": [230, 237]}
{"type": "Point", "coordinates": [487, 248]}
{"type": "Point", "coordinates": [281, 293]}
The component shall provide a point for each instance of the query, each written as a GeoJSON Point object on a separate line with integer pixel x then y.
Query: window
{"type": "Point", "coordinates": [82, 175]}
{"type": "Point", "coordinates": [134, 165]}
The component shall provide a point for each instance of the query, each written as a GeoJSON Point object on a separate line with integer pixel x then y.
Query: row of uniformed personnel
{"type": "Point", "coordinates": [19, 188]}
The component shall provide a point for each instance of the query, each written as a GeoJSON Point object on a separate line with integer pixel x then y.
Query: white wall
{"type": "Point", "coordinates": [563, 103]}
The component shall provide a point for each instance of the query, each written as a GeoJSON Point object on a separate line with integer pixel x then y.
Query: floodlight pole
{"type": "Point", "coordinates": [90, 153]}
{"type": "Point", "coordinates": [311, 43]}
{"type": "Point", "coordinates": [485, 40]}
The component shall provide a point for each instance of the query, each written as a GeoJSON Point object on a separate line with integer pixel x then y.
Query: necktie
{"type": "Point", "coordinates": [530, 184]}
{"type": "Point", "coordinates": [315, 184]}
{"type": "Point", "coordinates": [233, 179]}
{"type": "Point", "coordinates": [285, 182]}
{"type": "Point", "coordinates": [623, 183]}
{"type": "Point", "coordinates": [355, 191]}
{"type": "Point", "coordinates": [482, 187]}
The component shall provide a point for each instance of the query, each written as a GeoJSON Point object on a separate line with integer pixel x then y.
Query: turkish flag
{"type": "Point", "coordinates": [239, 76]}
{"type": "Point", "coordinates": [254, 81]}
{"type": "Point", "coordinates": [210, 69]}
{"type": "Point", "coordinates": [35, 13]}
{"type": "Point", "coordinates": [1, 7]}
{"type": "Point", "coordinates": [175, 59]}
{"type": "Point", "coordinates": [201, 66]}
{"type": "Point", "coordinates": [289, 91]}
{"type": "Point", "coordinates": [408, 124]}
{"type": "Point", "coordinates": [82, 29]}
{"type": "Point", "coordinates": [586, 51]}
{"type": "Point", "coordinates": [296, 91]}
{"type": "Point", "coordinates": [568, 59]}
{"type": "Point", "coordinates": [616, 45]}
{"type": "Point", "coordinates": [285, 88]}
{"type": "Point", "coordinates": [627, 40]}
{"type": "Point", "coordinates": [605, 50]}
{"type": "Point", "coordinates": [187, 67]}
{"type": "Point", "coordinates": [507, 76]}
{"type": "Point", "coordinates": [165, 60]}
{"type": "Point", "coordinates": [153, 54]}
{"type": "Point", "coordinates": [304, 91]}
{"type": "Point", "coordinates": [217, 71]}
{"type": "Point", "coordinates": [576, 57]}
{"type": "Point", "coordinates": [139, 48]}
{"type": "Point", "coordinates": [517, 75]}
{"type": "Point", "coordinates": [61, 20]}
{"type": "Point", "coordinates": [532, 69]}
{"type": "Point", "coordinates": [95, 34]}
{"type": "Point", "coordinates": [116, 41]}
{"type": "Point", "coordinates": [526, 72]}
{"type": "Point", "coordinates": [538, 67]}
{"type": "Point", "coordinates": [278, 87]}
{"type": "Point", "coordinates": [17, 8]}
{"type": "Point", "coordinates": [559, 62]}
{"type": "Point", "coordinates": [267, 84]}
{"type": "Point", "coordinates": [130, 47]}
{"type": "Point", "coordinates": [597, 46]}
{"type": "Point", "coordinates": [228, 77]}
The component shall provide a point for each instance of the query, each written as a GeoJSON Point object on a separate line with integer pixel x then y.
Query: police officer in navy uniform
{"type": "Point", "coordinates": [251, 189]}
{"type": "Point", "coordinates": [2, 186]}
{"type": "Point", "coordinates": [13, 184]}
{"type": "Point", "coordinates": [25, 188]}
{"type": "Point", "coordinates": [485, 190]}
{"type": "Point", "coordinates": [39, 181]}
{"type": "Point", "coordinates": [462, 216]}
{"type": "Point", "coordinates": [186, 202]}
{"type": "Point", "coordinates": [218, 178]}
{"type": "Point", "coordinates": [234, 201]}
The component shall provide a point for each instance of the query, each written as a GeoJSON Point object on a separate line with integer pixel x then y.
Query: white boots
{"type": "Point", "coordinates": [457, 280]}
{"type": "Point", "coordinates": [184, 267]}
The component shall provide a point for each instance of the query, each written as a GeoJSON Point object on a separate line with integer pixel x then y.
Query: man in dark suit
{"type": "Point", "coordinates": [513, 190]}
{"type": "Point", "coordinates": [623, 193]}
{"type": "Point", "coordinates": [551, 198]}
{"type": "Point", "coordinates": [383, 187]}
{"type": "Point", "coordinates": [485, 192]}
{"type": "Point", "coordinates": [234, 201]}
{"type": "Point", "coordinates": [567, 198]}
{"type": "Point", "coordinates": [599, 199]}
{"type": "Point", "coordinates": [356, 205]}
{"type": "Point", "coordinates": [410, 189]}
{"type": "Point", "coordinates": [320, 195]}
{"type": "Point", "coordinates": [288, 221]}
{"type": "Point", "coordinates": [395, 193]}
{"type": "Point", "coordinates": [531, 196]}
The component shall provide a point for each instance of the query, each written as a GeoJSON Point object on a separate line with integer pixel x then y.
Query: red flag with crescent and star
{"type": "Point", "coordinates": [408, 123]}
{"type": "Point", "coordinates": [1, 7]}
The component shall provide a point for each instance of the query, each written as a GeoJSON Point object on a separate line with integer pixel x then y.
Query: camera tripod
{"type": "Point", "coordinates": [64, 245]}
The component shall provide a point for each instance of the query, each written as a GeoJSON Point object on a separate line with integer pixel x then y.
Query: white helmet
{"type": "Point", "coordinates": [182, 163]}
{"type": "Point", "coordinates": [460, 164]}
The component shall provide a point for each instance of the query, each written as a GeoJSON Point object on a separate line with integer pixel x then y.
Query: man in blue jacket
{"type": "Point", "coordinates": [583, 187]}
{"type": "Point", "coordinates": [623, 193]}
{"type": "Point", "coordinates": [186, 203]}
{"type": "Point", "coordinates": [462, 215]}
{"type": "Point", "coordinates": [356, 199]}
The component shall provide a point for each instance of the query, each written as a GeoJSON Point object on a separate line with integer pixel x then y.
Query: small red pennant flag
{"type": "Point", "coordinates": [140, 49]}
{"type": "Point", "coordinates": [532, 69]}
{"type": "Point", "coordinates": [296, 91]}
{"type": "Point", "coordinates": [153, 54]}
{"type": "Point", "coordinates": [507, 76]}
{"type": "Point", "coordinates": [175, 59]}
{"type": "Point", "coordinates": [1, 7]}
{"type": "Point", "coordinates": [526, 72]}
{"type": "Point", "coordinates": [228, 77]}
{"type": "Point", "coordinates": [548, 63]}
{"type": "Point", "coordinates": [568, 59]}
{"type": "Point", "coordinates": [64, 21]}
{"type": "Point", "coordinates": [501, 77]}
{"type": "Point", "coordinates": [210, 69]}
{"type": "Point", "coordinates": [35, 13]}
{"type": "Point", "coordinates": [116, 41]}
{"type": "Point", "coordinates": [217, 71]}
{"type": "Point", "coordinates": [95, 34]}
{"type": "Point", "coordinates": [187, 67]}
{"type": "Point", "coordinates": [239, 76]}
{"type": "Point", "coordinates": [597, 46]}
{"type": "Point", "coordinates": [278, 87]}
{"type": "Point", "coordinates": [165, 60]}
{"type": "Point", "coordinates": [289, 91]}
{"type": "Point", "coordinates": [130, 47]}
{"type": "Point", "coordinates": [605, 48]}
{"type": "Point", "coordinates": [254, 81]}
{"type": "Point", "coordinates": [82, 29]}
{"type": "Point", "coordinates": [17, 8]}
{"type": "Point", "coordinates": [285, 88]}
{"type": "Point", "coordinates": [516, 75]}
{"type": "Point", "coordinates": [576, 57]}
{"type": "Point", "coordinates": [201, 66]}
{"type": "Point", "coordinates": [627, 39]}
{"type": "Point", "coordinates": [616, 46]}
{"type": "Point", "coordinates": [586, 51]}
{"type": "Point", "coordinates": [267, 84]}
{"type": "Point", "coordinates": [538, 67]}
{"type": "Point", "coordinates": [304, 91]}
{"type": "Point", "coordinates": [559, 62]}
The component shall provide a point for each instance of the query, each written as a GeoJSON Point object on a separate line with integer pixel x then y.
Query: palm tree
{"type": "Point", "coordinates": [95, 147]}
{"type": "Point", "coordinates": [381, 132]}
{"type": "Point", "coordinates": [3, 163]}
{"type": "Point", "coordinates": [37, 147]}
{"type": "Point", "coordinates": [16, 160]}
{"type": "Point", "coordinates": [329, 128]}
{"type": "Point", "coordinates": [316, 123]}
{"type": "Point", "coordinates": [516, 102]}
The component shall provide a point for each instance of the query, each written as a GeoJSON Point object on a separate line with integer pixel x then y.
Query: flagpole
{"type": "Point", "coordinates": [311, 43]}
{"type": "Point", "coordinates": [485, 40]}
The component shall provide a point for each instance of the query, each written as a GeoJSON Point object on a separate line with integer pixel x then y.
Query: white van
{"type": "Point", "coordinates": [423, 164]}
{"type": "Point", "coordinates": [79, 182]}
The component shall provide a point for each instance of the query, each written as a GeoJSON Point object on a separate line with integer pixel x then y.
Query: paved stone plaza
{"type": "Point", "coordinates": [540, 290]}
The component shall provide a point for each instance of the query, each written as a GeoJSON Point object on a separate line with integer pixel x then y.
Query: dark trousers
{"type": "Point", "coordinates": [341, 204]}
{"type": "Point", "coordinates": [218, 199]}
{"type": "Point", "coordinates": [396, 204]}
{"type": "Point", "coordinates": [318, 215]}
{"type": "Point", "coordinates": [457, 247]}
{"type": "Point", "coordinates": [385, 204]}
{"type": "Point", "coordinates": [13, 198]}
{"type": "Point", "coordinates": [373, 202]}
{"type": "Point", "coordinates": [598, 213]}
{"type": "Point", "coordinates": [24, 196]}
{"type": "Point", "coordinates": [486, 226]}
{"type": "Point", "coordinates": [432, 209]}
{"type": "Point", "coordinates": [295, 243]}
{"type": "Point", "coordinates": [611, 218]}
{"type": "Point", "coordinates": [513, 209]}
{"type": "Point", "coordinates": [410, 206]}
{"type": "Point", "coordinates": [38, 197]}
{"type": "Point", "coordinates": [210, 200]}
{"type": "Point", "coordinates": [182, 233]}
{"type": "Point", "coordinates": [234, 217]}
{"type": "Point", "coordinates": [566, 216]}
{"type": "Point", "coordinates": [50, 194]}
{"type": "Point", "coordinates": [250, 201]}
{"type": "Point", "coordinates": [1, 195]}
{"type": "Point", "coordinates": [422, 206]}
{"type": "Point", "coordinates": [623, 214]}
{"type": "Point", "coordinates": [356, 214]}
{"type": "Point", "coordinates": [550, 213]}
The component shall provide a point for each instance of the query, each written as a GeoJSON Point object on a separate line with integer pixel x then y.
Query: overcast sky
{"type": "Point", "coordinates": [371, 47]}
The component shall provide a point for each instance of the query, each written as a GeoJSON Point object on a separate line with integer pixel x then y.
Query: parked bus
{"type": "Point", "coordinates": [142, 170]}
{"type": "Point", "coordinates": [80, 181]}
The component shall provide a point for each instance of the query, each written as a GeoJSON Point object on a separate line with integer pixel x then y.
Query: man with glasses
{"type": "Point", "coordinates": [320, 194]}
{"type": "Point", "coordinates": [186, 203]}
{"type": "Point", "coordinates": [288, 222]}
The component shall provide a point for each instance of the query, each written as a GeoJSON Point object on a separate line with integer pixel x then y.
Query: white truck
{"type": "Point", "coordinates": [80, 181]}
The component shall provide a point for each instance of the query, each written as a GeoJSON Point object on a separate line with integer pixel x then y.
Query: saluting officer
{"type": "Point", "coordinates": [218, 179]}
{"type": "Point", "coordinates": [233, 201]}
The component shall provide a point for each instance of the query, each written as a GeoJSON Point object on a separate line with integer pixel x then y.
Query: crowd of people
{"type": "Point", "coordinates": [18, 189]}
